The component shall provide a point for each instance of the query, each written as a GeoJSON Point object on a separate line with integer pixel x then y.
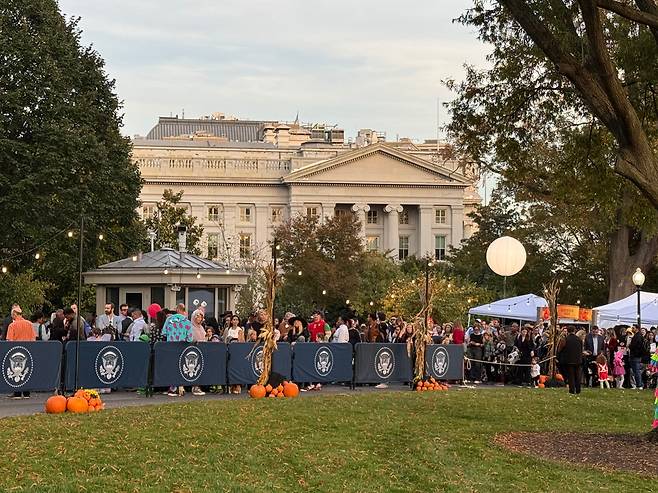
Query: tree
{"type": "Point", "coordinates": [521, 118]}
{"type": "Point", "coordinates": [23, 289]}
{"type": "Point", "coordinates": [167, 216]}
{"type": "Point", "coordinates": [61, 153]}
{"type": "Point", "coordinates": [320, 263]}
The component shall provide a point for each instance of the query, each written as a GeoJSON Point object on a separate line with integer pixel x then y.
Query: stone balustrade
{"type": "Point", "coordinates": [154, 167]}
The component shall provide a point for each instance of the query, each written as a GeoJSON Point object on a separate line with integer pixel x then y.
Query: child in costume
{"type": "Point", "coordinates": [602, 369]}
{"type": "Point", "coordinates": [535, 371]}
{"type": "Point", "coordinates": [618, 370]}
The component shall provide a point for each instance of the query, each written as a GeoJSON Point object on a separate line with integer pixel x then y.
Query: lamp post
{"type": "Point", "coordinates": [638, 280]}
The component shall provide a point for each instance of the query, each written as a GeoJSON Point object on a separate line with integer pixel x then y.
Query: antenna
{"type": "Point", "coordinates": [183, 112]}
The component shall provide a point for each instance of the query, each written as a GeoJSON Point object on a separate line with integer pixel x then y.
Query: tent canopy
{"type": "Point", "coordinates": [624, 311]}
{"type": "Point", "coordinates": [524, 307]}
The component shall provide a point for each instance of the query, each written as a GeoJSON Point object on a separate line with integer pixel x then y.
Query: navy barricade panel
{"type": "Point", "coordinates": [322, 362]}
{"type": "Point", "coordinates": [245, 365]}
{"type": "Point", "coordinates": [378, 363]}
{"type": "Point", "coordinates": [30, 366]}
{"type": "Point", "coordinates": [116, 364]}
{"type": "Point", "coordinates": [182, 363]}
{"type": "Point", "coordinates": [445, 361]}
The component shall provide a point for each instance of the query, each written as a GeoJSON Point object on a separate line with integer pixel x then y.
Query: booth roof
{"type": "Point", "coordinates": [165, 257]}
{"type": "Point", "coordinates": [625, 310]}
{"type": "Point", "coordinates": [522, 307]}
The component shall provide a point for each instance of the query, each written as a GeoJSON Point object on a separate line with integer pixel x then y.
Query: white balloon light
{"type": "Point", "coordinates": [506, 256]}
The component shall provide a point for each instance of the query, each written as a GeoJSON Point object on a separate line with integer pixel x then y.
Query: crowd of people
{"type": "Point", "coordinates": [496, 353]}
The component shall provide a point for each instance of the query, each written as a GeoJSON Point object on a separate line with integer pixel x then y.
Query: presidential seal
{"type": "Point", "coordinates": [440, 362]}
{"type": "Point", "coordinates": [384, 363]}
{"type": "Point", "coordinates": [109, 364]}
{"type": "Point", "coordinates": [257, 361]}
{"type": "Point", "coordinates": [324, 361]}
{"type": "Point", "coordinates": [17, 366]}
{"type": "Point", "coordinates": [190, 363]}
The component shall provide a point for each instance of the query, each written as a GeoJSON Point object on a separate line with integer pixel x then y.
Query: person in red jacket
{"type": "Point", "coordinates": [457, 333]}
{"type": "Point", "coordinates": [316, 327]}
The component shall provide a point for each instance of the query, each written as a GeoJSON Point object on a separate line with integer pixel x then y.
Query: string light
{"type": "Point", "coordinates": [166, 271]}
{"type": "Point", "coordinates": [134, 258]}
{"type": "Point", "coordinates": [198, 274]}
{"type": "Point", "coordinates": [278, 247]}
{"type": "Point", "coordinates": [101, 237]}
{"type": "Point", "coordinates": [70, 234]}
{"type": "Point", "coordinates": [299, 273]}
{"type": "Point", "coordinates": [37, 255]}
{"type": "Point", "coordinates": [347, 302]}
{"type": "Point", "coordinates": [324, 291]}
{"type": "Point", "coordinates": [4, 269]}
{"type": "Point", "coordinates": [372, 303]}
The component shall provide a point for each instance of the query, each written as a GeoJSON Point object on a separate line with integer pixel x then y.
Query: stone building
{"type": "Point", "coordinates": [242, 178]}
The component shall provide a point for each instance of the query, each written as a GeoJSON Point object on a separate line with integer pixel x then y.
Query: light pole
{"type": "Point", "coordinates": [638, 280]}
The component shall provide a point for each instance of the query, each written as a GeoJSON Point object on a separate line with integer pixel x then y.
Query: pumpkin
{"type": "Point", "coordinates": [291, 390]}
{"type": "Point", "coordinates": [93, 409]}
{"type": "Point", "coordinates": [94, 401]}
{"type": "Point", "coordinates": [257, 391]}
{"type": "Point", "coordinates": [79, 393]}
{"type": "Point", "coordinates": [280, 394]}
{"type": "Point", "coordinates": [274, 392]}
{"type": "Point", "coordinates": [86, 395]}
{"type": "Point", "coordinates": [56, 404]}
{"type": "Point", "coordinates": [543, 378]}
{"type": "Point", "coordinates": [268, 388]}
{"type": "Point", "coordinates": [77, 405]}
{"type": "Point", "coordinates": [559, 377]}
{"type": "Point", "coordinates": [272, 395]}
{"type": "Point", "coordinates": [280, 388]}
{"type": "Point", "coordinates": [541, 385]}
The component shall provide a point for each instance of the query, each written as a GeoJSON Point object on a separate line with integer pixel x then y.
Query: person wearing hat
{"type": "Point", "coordinates": [297, 331]}
{"type": "Point", "coordinates": [20, 330]}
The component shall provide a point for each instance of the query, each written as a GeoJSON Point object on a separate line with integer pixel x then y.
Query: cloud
{"type": "Point", "coordinates": [357, 64]}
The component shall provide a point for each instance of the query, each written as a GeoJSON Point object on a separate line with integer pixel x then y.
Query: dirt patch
{"type": "Point", "coordinates": [623, 452]}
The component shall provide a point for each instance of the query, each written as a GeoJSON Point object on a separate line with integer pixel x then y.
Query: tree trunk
{"type": "Point", "coordinates": [622, 264]}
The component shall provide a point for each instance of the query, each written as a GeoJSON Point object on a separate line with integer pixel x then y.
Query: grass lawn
{"type": "Point", "coordinates": [357, 441]}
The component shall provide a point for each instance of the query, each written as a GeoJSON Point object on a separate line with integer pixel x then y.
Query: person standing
{"type": "Point", "coordinates": [108, 322]}
{"type": "Point", "coordinates": [342, 333]}
{"type": "Point", "coordinates": [138, 326]}
{"type": "Point", "coordinates": [74, 324]}
{"type": "Point", "coordinates": [316, 327]}
{"type": "Point", "coordinates": [637, 350]}
{"type": "Point", "coordinates": [198, 335]}
{"type": "Point", "coordinates": [20, 330]}
{"type": "Point", "coordinates": [475, 345]}
{"type": "Point", "coordinates": [177, 328]}
{"type": "Point", "coordinates": [571, 357]}
{"type": "Point", "coordinates": [41, 329]}
{"type": "Point", "coordinates": [594, 344]}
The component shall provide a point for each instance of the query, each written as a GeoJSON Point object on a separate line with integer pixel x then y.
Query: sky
{"type": "Point", "coordinates": [366, 64]}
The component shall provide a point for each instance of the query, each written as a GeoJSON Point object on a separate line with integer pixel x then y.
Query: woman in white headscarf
{"type": "Point", "coordinates": [198, 335]}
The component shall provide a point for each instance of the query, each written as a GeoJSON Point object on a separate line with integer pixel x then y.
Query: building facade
{"type": "Point", "coordinates": [241, 179]}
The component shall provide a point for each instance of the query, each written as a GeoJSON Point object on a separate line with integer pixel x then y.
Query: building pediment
{"type": "Point", "coordinates": [376, 164]}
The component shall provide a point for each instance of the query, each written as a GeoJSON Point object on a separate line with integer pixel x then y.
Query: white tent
{"type": "Point", "coordinates": [624, 311]}
{"type": "Point", "coordinates": [523, 307]}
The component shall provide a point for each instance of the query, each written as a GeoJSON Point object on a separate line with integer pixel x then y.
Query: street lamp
{"type": "Point", "coordinates": [638, 280]}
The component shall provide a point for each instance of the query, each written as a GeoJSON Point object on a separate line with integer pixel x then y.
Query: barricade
{"type": "Point", "coordinates": [116, 364]}
{"type": "Point", "coordinates": [245, 366]}
{"type": "Point", "coordinates": [445, 361]}
{"type": "Point", "coordinates": [28, 366]}
{"type": "Point", "coordinates": [322, 363]}
{"type": "Point", "coordinates": [181, 363]}
{"type": "Point", "coordinates": [380, 363]}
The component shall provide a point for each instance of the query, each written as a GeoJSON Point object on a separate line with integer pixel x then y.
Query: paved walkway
{"type": "Point", "coordinates": [36, 403]}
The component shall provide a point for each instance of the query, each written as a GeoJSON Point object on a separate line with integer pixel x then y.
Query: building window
{"type": "Point", "coordinates": [214, 213]}
{"type": "Point", "coordinates": [372, 243]}
{"type": "Point", "coordinates": [371, 218]}
{"type": "Point", "coordinates": [440, 247]}
{"type": "Point", "coordinates": [148, 211]}
{"type": "Point", "coordinates": [213, 245]}
{"type": "Point", "coordinates": [246, 215]}
{"type": "Point", "coordinates": [403, 217]}
{"type": "Point", "coordinates": [403, 247]}
{"type": "Point", "coordinates": [440, 216]}
{"type": "Point", "coordinates": [341, 212]}
{"type": "Point", "coordinates": [245, 246]}
{"type": "Point", "coordinates": [277, 215]}
{"type": "Point", "coordinates": [312, 212]}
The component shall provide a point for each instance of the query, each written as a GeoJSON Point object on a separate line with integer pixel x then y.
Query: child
{"type": "Point", "coordinates": [602, 368]}
{"type": "Point", "coordinates": [535, 371]}
{"type": "Point", "coordinates": [618, 370]}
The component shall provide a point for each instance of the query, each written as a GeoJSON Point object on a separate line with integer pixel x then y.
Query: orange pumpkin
{"type": "Point", "coordinates": [274, 392]}
{"type": "Point", "coordinates": [93, 409]}
{"type": "Point", "coordinates": [94, 401]}
{"type": "Point", "coordinates": [541, 385]}
{"type": "Point", "coordinates": [268, 388]}
{"type": "Point", "coordinates": [257, 391]}
{"type": "Point", "coordinates": [543, 378]}
{"type": "Point", "coordinates": [272, 395]}
{"type": "Point", "coordinates": [559, 377]}
{"type": "Point", "coordinates": [79, 393]}
{"type": "Point", "coordinates": [280, 388]}
{"type": "Point", "coordinates": [419, 388]}
{"type": "Point", "coordinates": [56, 404]}
{"type": "Point", "coordinates": [77, 405]}
{"type": "Point", "coordinates": [280, 394]}
{"type": "Point", "coordinates": [291, 390]}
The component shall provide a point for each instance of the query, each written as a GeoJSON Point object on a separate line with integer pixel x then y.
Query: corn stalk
{"type": "Point", "coordinates": [551, 293]}
{"type": "Point", "coordinates": [421, 330]}
{"type": "Point", "coordinates": [267, 331]}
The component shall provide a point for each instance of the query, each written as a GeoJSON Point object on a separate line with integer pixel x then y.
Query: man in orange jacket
{"type": "Point", "coordinates": [20, 330]}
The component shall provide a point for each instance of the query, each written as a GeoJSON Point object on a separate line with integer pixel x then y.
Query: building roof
{"type": "Point", "coordinates": [200, 142]}
{"type": "Point", "coordinates": [165, 257]}
{"type": "Point", "coordinates": [233, 130]}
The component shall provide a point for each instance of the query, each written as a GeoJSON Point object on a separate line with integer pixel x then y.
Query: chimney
{"type": "Point", "coordinates": [182, 239]}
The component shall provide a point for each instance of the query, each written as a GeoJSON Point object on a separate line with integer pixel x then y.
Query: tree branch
{"type": "Point", "coordinates": [640, 16]}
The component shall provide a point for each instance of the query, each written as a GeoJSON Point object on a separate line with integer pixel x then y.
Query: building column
{"type": "Point", "coordinates": [425, 239]}
{"type": "Point", "coordinates": [391, 235]}
{"type": "Point", "coordinates": [457, 223]}
{"type": "Point", "coordinates": [327, 211]}
{"type": "Point", "coordinates": [360, 210]}
{"type": "Point", "coordinates": [261, 228]}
